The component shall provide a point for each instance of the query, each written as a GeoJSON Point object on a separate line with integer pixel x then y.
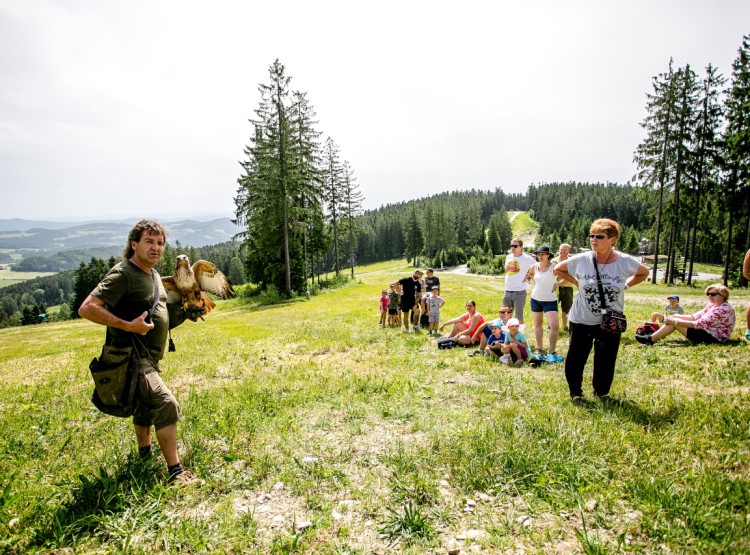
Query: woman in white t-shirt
{"type": "Point", "coordinates": [544, 300]}
{"type": "Point", "coordinates": [617, 272]}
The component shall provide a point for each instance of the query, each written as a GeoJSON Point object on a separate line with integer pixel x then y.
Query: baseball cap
{"type": "Point", "coordinates": [676, 297]}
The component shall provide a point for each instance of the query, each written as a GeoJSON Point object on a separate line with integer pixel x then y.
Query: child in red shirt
{"type": "Point", "coordinates": [383, 307]}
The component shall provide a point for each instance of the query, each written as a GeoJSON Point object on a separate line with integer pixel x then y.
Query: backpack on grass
{"type": "Point", "coordinates": [647, 329]}
{"type": "Point", "coordinates": [446, 343]}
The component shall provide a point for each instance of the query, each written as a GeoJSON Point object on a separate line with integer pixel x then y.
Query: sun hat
{"type": "Point", "coordinates": [513, 322]}
{"type": "Point", "coordinates": [676, 297]}
{"type": "Point", "coordinates": [544, 249]}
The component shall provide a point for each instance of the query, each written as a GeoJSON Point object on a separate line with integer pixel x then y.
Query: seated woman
{"type": "Point", "coordinates": [466, 325]}
{"type": "Point", "coordinates": [713, 324]}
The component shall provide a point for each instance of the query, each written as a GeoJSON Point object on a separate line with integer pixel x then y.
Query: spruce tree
{"type": "Point", "coordinates": [654, 156]}
{"type": "Point", "coordinates": [736, 186]}
{"type": "Point", "coordinates": [278, 181]}
{"type": "Point", "coordinates": [332, 179]}
{"type": "Point", "coordinates": [706, 159]}
{"type": "Point", "coordinates": [351, 207]}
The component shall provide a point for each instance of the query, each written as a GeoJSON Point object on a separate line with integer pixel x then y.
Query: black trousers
{"type": "Point", "coordinates": [606, 345]}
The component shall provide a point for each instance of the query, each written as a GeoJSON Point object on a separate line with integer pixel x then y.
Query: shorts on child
{"type": "Point", "coordinates": [524, 354]}
{"type": "Point", "coordinates": [543, 306]}
{"type": "Point", "coordinates": [393, 311]}
{"type": "Point", "coordinates": [434, 317]}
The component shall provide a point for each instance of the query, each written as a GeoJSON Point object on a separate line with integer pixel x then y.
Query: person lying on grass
{"type": "Point", "coordinates": [713, 324]}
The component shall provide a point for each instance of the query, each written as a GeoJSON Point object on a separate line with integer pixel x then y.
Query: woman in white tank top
{"type": "Point", "coordinates": [544, 300]}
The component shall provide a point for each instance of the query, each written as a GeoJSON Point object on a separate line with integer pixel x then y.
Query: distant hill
{"type": "Point", "coordinates": [41, 238]}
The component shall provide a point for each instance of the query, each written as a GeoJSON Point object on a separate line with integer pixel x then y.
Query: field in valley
{"type": "Point", "coordinates": [314, 431]}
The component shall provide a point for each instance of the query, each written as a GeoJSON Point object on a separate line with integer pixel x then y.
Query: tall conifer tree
{"type": "Point", "coordinates": [654, 155]}
{"type": "Point", "coordinates": [278, 179]}
{"type": "Point", "coordinates": [332, 179]}
{"type": "Point", "coordinates": [737, 137]}
{"type": "Point", "coordinates": [351, 207]}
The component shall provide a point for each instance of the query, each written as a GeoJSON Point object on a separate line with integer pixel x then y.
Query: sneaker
{"type": "Point", "coordinates": [577, 399]}
{"type": "Point", "coordinates": [747, 335]}
{"type": "Point", "coordinates": [475, 353]}
{"type": "Point", "coordinates": [519, 362]}
{"type": "Point", "coordinates": [505, 359]}
{"type": "Point", "coordinates": [537, 351]}
{"type": "Point", "coordinates": [644, 339]}
{"type": "Point", "coordinates": [183, 478]}
{"type": "Point", "coordinates": [407, 330]}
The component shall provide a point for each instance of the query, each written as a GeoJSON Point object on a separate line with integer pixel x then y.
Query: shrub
{"type": "Point", "coordinates": [452, 256]}
{"type": "Point", "coordinates": [247, 290]}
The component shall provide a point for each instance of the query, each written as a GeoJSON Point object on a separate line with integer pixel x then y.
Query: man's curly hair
{"type": "Point", "coordinates": [150, 226]}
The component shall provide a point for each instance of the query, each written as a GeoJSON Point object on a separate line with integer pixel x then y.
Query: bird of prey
{"type": "Point", "coordinates": [186, 286]}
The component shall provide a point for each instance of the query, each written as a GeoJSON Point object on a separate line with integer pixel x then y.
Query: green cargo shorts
{"type": "Point", "coordinates": [156, 405]}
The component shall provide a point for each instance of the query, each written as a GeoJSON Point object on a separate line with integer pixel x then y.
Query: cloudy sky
{"type": "Point", "coordinates": [121, 109]}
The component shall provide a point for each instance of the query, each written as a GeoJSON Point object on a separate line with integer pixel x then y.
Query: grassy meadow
{"type": "Point", "coordinates": [9, 277]}
{"type": "Point", "coordinates": [314, 431]}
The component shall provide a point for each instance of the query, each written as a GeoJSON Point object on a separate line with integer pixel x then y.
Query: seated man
{"type": "Point", "coordinates": [466, 325]}
{"type": "Point", "coordinates": [484, 331]}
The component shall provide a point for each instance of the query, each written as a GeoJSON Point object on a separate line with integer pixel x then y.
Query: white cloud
{"type": "Point", "coordinates": [110, 108]}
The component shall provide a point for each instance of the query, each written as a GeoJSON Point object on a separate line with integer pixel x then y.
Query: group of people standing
{"type": "Point", "coordinates": [415, 300]}
{"type": "Point", "coordinates": [602, 275]}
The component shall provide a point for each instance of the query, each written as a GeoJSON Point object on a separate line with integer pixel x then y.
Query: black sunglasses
{"type": "Point", "coordinates": [506, 312]}
{"type": "Point", "coordinates": [595, 236]}
{"type": "Point", "coordinates": [514, 246]}
{"type": "Point", "coordinates": [712, 293]}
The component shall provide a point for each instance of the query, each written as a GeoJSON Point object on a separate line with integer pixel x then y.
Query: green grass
{"type": "Point", "coordinates": [6, 274]}
{"type": "Point", "coordinates": [523, 224]}
{"type": "Point", "coordinates": [306, 411]}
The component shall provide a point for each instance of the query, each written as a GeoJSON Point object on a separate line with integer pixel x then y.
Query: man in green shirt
{"type": "Point", "coordinates": [121, 302]}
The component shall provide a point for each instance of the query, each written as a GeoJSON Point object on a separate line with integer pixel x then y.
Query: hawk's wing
{"type": "Point", "coordinates": [210, 279]}
{"type": "Point", "coordinates": [173, 295]}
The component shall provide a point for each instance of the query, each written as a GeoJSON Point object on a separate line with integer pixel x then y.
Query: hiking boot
{"type": "Point", "coordinates": [644, 339]}
{"type": "Point", "coordinates": [183, 477]}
